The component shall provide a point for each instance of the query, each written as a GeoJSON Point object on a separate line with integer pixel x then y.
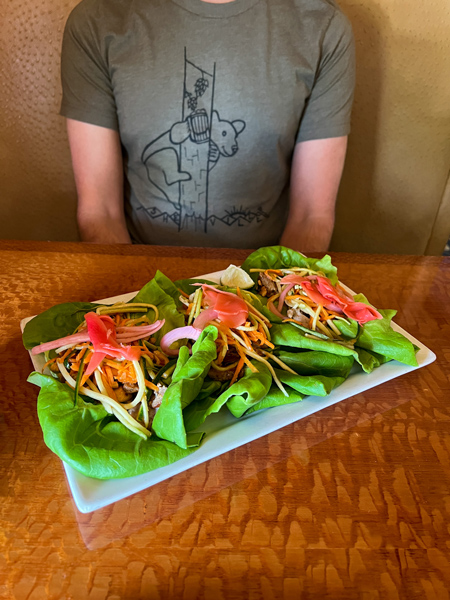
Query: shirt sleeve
{"type": "Point", "coordinates": [328, 109]}
{"type": "Point", "coordinates": [85, 78]}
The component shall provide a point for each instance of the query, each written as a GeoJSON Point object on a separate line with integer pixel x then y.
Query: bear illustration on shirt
{"type": "Point", "coordinates": [179, 161]}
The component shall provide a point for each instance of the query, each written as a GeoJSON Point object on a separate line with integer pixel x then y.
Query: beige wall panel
{"type": "Point", "coordinates": [399, 151]}
{"type": "Point", "coordinates": [439, 231]}
{"type": "Point", "coordinates": [36, 183]}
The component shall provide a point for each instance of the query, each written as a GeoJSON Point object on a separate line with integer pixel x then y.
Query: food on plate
{"type": "Point", "coordinates": [311, 310]}
{"type": "Point", "coordinates": [242, 331]}
{"type": "Point", "coordinates": [312, 300]}
{"type": "Point", "coordinates": [110, 359]}
{"type": "Point", "coordinates": [236, 277]}
{"type": "Point", "coordinates": [126, 388]}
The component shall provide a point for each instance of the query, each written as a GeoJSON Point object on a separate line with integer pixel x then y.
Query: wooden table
{"type": "Point", "coordinates": [352, 502]}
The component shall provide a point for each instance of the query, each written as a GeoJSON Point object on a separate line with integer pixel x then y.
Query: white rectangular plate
{"type": "Point", "coordinates": [223, 431]}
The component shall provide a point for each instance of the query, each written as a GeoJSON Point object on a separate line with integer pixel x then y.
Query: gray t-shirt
{"type": "Point", "coordinates": [209, 100]}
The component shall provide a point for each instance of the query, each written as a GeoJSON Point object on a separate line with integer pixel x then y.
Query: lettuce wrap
{"type": "Point", "coordinates": [81, 432]}
{"type": "Point", "coordinates": [369, 342]}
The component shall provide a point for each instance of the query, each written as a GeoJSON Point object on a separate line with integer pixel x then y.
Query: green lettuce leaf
{"type": "Point", "coordinates": [348, 328]}
{"type": "Point", "coordinates": [166, 285]}
{"type": "Point", "coordinates": [317, 363]}
{"type": "Point", "coordinates": [161, 292]}
{"type": "Point", "coordinates": [280, 257]}
{"type": "Point", "coordinates": [248, 390]}
{"type": "Point", "coordinates": [245, 392]}
{"type": "Point", "coordinates": [378, 336]}
{"type": "Point", "coordinates": [275, 397]}
{"type": "Point", "coordinates": [187, 382]}
{"type": "Point", "coordinates": [300, 386]}
{"type": "Point", "coordinates": [56, 322]}
{"type": "Point", "coordinates": [188, 286]}
{"type": "Point", "coordinates": [92, 441]}
{"type": "Point", "coordinates": [289, 335]}
{"type": "Point", "coordinates": [309, 385]}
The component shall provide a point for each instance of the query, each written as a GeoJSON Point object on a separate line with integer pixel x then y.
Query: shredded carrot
{"type": "Point", "coordinates": [126, 376]}
{"type": "Point", "coordinates": [241, 353]}
{"type": "Point", "coordinates": [239, 367]}
{"type": "Point", "coordinates": [84, 378]}
{"type": "Point", "coordinates": [275, 271]}
{"type": "Point", "coordinates": [183, 293]}
{"type": "Point", "coordinates": [151, 385]}
{"type": "Point", "coordinates": [257, 336]}
{"type": "Point", "coordinates": [81, 353]}
{"type": "Point", "coordinates": [304, 299]}
{"type": "Point", "coordinates": [222, 328]}
{"type": "Point", "coordinates": [108, 388]}
{"type": "Point", "coordinates": [246, 340]}
{"type": "Point", "coordinates": [61, 359]}
{"type": "Point", "coordinates": [110, 376]}
{"type": "Point", "coordinates": [112, 364]}
{"type": "Point", "coordinates": [334, 314]}
{"type": "Point", "coordinates": [49, 362]}
{"type": "Point", "coordinates": [124, 365]}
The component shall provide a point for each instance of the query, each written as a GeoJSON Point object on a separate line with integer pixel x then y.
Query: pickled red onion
{"type": "Point", "coordinates": [274, 310]}
{"type": "Point", "coordinates": [283, 294]}
{"type": "Point", "coordinates": [106, 338]}
{"type": "Point", "coordinates": [181, 333]}
{"type": "Point", "coordinates": [75, 338]}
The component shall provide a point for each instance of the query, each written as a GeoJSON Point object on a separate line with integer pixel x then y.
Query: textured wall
{"type": "Point", "coordinates": [392, 193]}
{"type": "Point", "coordinates": [36, 183]}
{"type": "Point", "coordinates": [392, 196]}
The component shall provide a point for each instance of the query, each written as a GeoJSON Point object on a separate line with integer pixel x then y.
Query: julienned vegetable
{"type": "Point", "coordinates": [312, 301]}
{"type": "Point", "coordinates": [103, 361]}
{"type": "Point", "coordinates": [243, 333]}
{"type": "Point", "coordinates": [242, 349]}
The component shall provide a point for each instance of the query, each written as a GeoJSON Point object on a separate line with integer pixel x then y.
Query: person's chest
{"type": "Point", "coordinates": [238, 83]}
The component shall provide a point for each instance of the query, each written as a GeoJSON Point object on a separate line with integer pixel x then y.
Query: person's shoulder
{"type": "Point", "coordinates": [101, 11]}
{"type": "Point", "coordinates": [89, 11]}
{"type": "Point", "coordinates": [324, 14]}
{"type": "Point", "coordinates": [325, 7]}
{"type": "Point", "coordinates": [95, 8]}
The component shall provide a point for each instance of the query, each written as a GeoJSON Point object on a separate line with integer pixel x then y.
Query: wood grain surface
{"type": "Point", "coordinates": [351, 502]}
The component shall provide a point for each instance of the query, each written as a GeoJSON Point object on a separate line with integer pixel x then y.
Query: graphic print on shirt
{"type": "Point", "coordinates": [179, 161]}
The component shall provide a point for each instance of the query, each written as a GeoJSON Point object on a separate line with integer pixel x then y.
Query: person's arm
{"type": "Point", "coordinates": [316, 172]}
{"type": "Point", "coordinates": [98, 169]}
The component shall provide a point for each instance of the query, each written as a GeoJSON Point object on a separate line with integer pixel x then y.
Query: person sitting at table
{"type": "Point", "coordinates": [206, 122]}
